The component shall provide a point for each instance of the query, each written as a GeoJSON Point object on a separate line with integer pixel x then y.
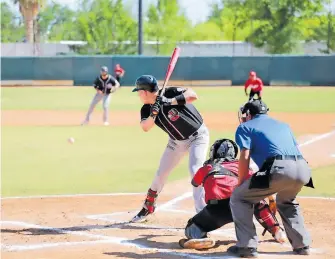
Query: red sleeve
{"type": "Point", "coordinates": [260, 82]}
{"type": "Point", "coordinates": [200, 174]}
{"type": "Point", "coordinates": [247, 83]}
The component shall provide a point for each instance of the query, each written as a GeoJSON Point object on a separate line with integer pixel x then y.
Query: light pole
{"type": "Point", "coordinates": [140, 28]}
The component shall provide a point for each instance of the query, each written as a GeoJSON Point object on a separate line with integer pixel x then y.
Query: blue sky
{"type": "Point", "coordinates": [196, 10]}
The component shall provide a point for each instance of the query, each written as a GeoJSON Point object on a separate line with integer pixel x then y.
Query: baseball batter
{"type": "Point", "coordinates": [219, 176]}
{"type": "Point", "coordinates": [187, 132]}
{"type": "Point", "coordinates": [105, 84]}
{"type": "Point", "coordinates": [255, 84]}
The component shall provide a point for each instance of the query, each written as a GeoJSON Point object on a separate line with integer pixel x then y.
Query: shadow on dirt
{"type": "Point", "coordinates": [60, 231]}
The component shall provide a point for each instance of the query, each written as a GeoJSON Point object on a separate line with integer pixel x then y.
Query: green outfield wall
{"type": "Point", "coordinates": [307, 70]}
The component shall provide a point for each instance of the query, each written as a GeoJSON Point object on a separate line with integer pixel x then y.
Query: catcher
{"type": "Point", "coordinates": [219, 177]}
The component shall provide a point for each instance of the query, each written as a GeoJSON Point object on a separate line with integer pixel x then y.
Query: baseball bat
{"type": "Point", "coordinates": [170, 68]}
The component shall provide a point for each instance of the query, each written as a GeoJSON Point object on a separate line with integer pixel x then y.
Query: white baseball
{"type": "Point", "coordinates": [71, 140]}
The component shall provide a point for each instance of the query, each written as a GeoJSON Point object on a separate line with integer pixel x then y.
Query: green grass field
{"type": "Point", "coordinates": [39, 160]}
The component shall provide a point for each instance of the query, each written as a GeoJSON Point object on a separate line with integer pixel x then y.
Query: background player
{"type": "Point", "coordinates": [119, 72]}
{"type": "Point", "coordinates": [256, 86]}
{"type": "Point", "coordinates": [219, 176]}
{"type": "Point", "coordinates": [186, 130]}
{"type": "Point", "coordinates": [104, 85]}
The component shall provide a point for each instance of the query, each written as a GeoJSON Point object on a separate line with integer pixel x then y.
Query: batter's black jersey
{"type": "Point", "coordinates": [178, 121]}
{"type": "Point", "coordinates": [104, 85]}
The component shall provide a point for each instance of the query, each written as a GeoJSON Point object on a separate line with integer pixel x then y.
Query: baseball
{"type": "Point", "coordinates": [71, 140]}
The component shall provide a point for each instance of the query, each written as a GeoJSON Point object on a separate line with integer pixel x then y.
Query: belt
{"type": "Point", "coordinates": [288, 157]}
{"type": "Point", "coordinates": [215, 202]}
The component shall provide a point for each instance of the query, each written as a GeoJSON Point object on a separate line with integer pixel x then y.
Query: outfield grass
{"type": "Point", "coordinates": [210, 99]}
{"type": "Point", "coordinates": [323, 179]}
{"type": "Point", "coordinates": [39, 160]}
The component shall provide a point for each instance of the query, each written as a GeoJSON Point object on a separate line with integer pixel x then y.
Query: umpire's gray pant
{"type": "Point", "coordinates": [287, 179]}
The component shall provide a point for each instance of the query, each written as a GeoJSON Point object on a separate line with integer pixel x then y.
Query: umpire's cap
{"type": "Point", "coordinates": [255, 106]}
{"type": "Point", "coordinates": [147, 83]}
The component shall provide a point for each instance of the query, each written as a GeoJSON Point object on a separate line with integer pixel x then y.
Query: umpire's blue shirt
{"type": "Point", "coordinates": [266, 137]}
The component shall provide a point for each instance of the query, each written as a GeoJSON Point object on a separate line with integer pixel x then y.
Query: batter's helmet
{"type": "Point", "coordinates": [223, 149]}
{"type": "Point", "coordinates": [146, 83]}
{"type": "Point", "coordinates": [104, 69]}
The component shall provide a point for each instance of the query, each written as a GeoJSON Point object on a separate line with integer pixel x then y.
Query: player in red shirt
{"type": "Point", "coordinates": [119, 72]}
{"type": "Point", "coordinates": [256, 85]}
{"type": "Point", "coordinates": [219, 177]}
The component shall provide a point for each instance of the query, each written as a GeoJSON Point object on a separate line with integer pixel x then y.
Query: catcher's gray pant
{"type": "Point", "coordinates": [287, 177]}
{"type": "Point", "coordinates": [105, 104]}
{"type": "Point", "coordinates": [175, 150]}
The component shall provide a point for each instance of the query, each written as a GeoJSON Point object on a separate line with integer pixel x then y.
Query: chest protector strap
{"type": "Point", "coordinates": [219, 170]}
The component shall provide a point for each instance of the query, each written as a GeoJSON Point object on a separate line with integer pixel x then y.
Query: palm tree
{"type": "Point", "coordinates": [29, 10]}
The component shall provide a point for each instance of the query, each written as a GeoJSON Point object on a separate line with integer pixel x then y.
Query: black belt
{"type": "Point", "coordinates": [288, 157]}
{"type": "Point", "coordinates": [215, 202]}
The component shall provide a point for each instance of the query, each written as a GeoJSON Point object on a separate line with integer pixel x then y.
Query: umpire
{"type": "Point", "coordinates": [283, 170]}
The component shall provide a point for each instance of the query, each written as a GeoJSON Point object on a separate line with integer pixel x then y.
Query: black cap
{"type": "Point", "coordinates": [255, 107]}
{"type": "Point", "coordinates": [104, 69]}
{"type": "Point", "coordinates": [147, 83]}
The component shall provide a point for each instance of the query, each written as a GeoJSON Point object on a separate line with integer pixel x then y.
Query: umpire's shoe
{"type": "Point", "coordinates": [141, 216]}
{"type": "Point", "coordinates": [245, 252]}
{"type": "Point", "coordinates": [302, 251]}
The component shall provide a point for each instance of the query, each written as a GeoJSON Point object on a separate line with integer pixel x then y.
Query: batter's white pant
{"type": "Point", "coordinates": [105, 104]}
{"type": "Point", "coordinates": [197, 147]}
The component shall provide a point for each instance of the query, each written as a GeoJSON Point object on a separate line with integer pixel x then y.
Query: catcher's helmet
{"type": "Point", "coordinates": [147, 83]}
{"type": "Point", "coordinates": [223, 149]}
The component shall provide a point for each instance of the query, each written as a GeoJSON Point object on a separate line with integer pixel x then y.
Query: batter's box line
{"type": "Point", "coordinates": [226, 233]}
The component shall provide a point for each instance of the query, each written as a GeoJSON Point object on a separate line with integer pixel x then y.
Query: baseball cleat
{"type": "Point", "coordinates": [302, 251]}
{"type": "Point", "coordinates": [201, 243]}
{"type": "Point", "coordinates": [141, 216]}
{"type": "Point", "coordinates": [106, 123]}
{"type": "Point", "coordinates": [85, 122]}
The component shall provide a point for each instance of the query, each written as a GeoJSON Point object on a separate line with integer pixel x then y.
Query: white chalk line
{"type": "Point", "coordinates": [223, 232]}
{"type": "Point", "coordinates": [107, 239]}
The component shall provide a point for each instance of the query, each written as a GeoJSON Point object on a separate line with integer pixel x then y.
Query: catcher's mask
{"type": "Point", "coordinates": [223, 149]}
{"type": "Point", "coordinates": [251, 108]}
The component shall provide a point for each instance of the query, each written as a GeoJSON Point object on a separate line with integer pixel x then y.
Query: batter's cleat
{"type": "Point", "coordinates": [302, 251]}
{"type": "Point", "coordinates": [246, 252]}
{"type": "Point", "coordinates": [106, 123]}
{"type": "Point", "coordinates": [141, 216]}
{"type": "Point", "coordinates": [201, 243]}
{"type": "Point", "coordinates": [85, 122]}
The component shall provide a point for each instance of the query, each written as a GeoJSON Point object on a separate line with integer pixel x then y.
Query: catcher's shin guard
{"type": "Point", "coordinates": [192, 231]}
{"type": "Point", "coordinates": [269, 221]}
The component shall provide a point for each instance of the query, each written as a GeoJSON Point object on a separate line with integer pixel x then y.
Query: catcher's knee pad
{"type": "Point", "coordinates": [193, 231]}
{"type": "Point", "coordinates": [265, 217]}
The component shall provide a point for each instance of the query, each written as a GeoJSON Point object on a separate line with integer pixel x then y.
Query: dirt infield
{"type": "Point", "coordinates": [94, 227]}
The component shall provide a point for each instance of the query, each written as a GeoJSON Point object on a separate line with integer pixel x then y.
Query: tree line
{"type": "Point", "coordinates": [109, 28]}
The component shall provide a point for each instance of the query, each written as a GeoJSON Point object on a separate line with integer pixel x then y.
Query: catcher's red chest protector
{"type": "Point", "coordinates": [220, 180]}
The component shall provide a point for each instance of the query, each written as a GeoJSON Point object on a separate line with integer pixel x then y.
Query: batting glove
{"type": "Point", "coordinates": [163, 100]}
{"type": "Point", "coordinates": [155, 109]}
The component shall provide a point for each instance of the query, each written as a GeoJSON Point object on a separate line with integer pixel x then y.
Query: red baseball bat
{"type": "Point", "coordinates": [172, 64]}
